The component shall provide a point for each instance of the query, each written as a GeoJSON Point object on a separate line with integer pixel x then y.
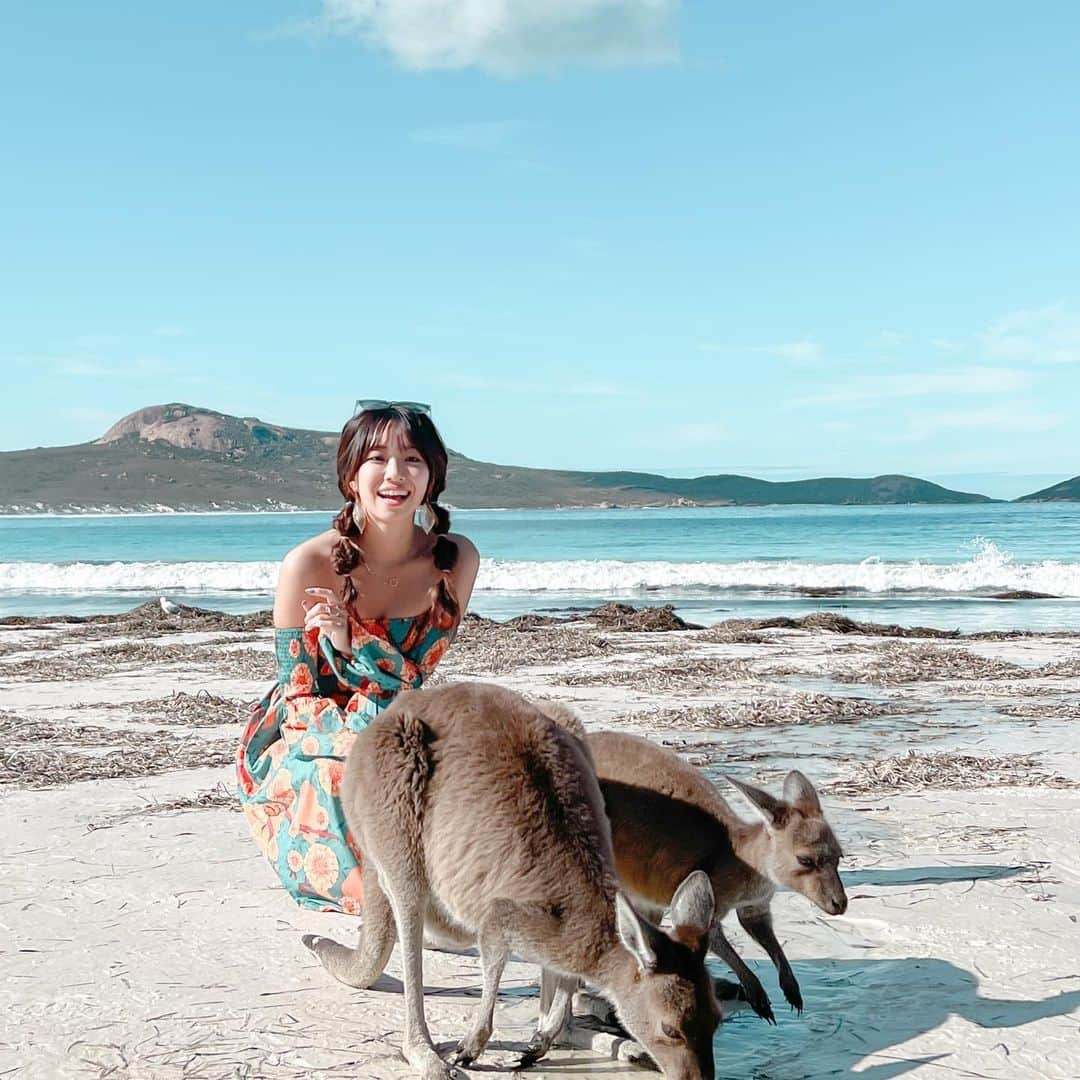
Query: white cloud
{"type": "Point", "coordinates": [797, 352]}
{"type": "Point", "coordinates": [586, 388]}
{"type": "Point", "coordinates": [1046, 335]}
{"type": "Point", "coordinates": [890, 339]}
{"type": "Point", "coordinates": [698, 435]}
{"type": "Point", "coordinates": [990, 421]}
{"type": "Point", "coordinates": [141, 368]}
{"type": "Point", "coordinates": [947, 346]}
{"type": "Point", "coordinates": [508, 37]}
{"type": "Point", "coordinates": [483, 136]}
{"type": "Point", "coordinates": [883, 388]}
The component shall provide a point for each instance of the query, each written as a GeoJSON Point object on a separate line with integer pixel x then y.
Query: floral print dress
{"type": "Point", "coordinates": [292, 755]}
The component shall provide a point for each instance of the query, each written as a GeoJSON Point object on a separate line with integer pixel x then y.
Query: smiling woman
{"type": "Point", "coordinates": [362, 610]}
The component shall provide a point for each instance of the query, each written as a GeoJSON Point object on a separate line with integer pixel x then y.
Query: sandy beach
{"type": "Point", "coordinates": [145, 937]}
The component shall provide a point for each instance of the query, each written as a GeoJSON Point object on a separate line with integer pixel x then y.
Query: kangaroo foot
{"type": "Point", "coordinates": [538, 1048]}
{"type": "Point", "coordinates": [471, 1047]}
{"type": "Point", "coordinates": [429, 1066]}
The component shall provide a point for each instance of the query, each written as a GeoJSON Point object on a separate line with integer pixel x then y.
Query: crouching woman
{"type": "Point", "coordinates": [362, 611]}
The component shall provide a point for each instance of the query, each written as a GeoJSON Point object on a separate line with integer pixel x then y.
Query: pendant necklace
{"type": "Point", "coordinates": [392, 581]}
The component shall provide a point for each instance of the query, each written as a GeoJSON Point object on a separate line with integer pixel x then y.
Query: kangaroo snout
{"type": "Point", "coordinates": [831, 898]}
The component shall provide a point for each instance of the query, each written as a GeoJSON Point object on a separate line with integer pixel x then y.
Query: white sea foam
{"type": "Point", "coordinates": [211, 577]}
{"type": "Point", "coordinates": [989, 571]}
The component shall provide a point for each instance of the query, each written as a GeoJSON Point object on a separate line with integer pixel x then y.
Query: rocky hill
{"type": "Point", "coordinates": [179, 457]}
{"type": "Point", "coordinates": [1066, 491]}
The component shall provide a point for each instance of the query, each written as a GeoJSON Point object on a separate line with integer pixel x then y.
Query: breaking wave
{"type": "Point", "coordinates": [989, 571]}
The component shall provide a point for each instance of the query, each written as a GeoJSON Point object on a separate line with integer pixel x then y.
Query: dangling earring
{"type": "Point", "coordinates": [425, 518]}
{"type": "Point", "coordinates": [359, 516]}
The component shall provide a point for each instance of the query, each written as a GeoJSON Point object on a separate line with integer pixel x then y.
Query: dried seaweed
{"type": "Point", "coordinates": [201, 709]}
{"type": "Point", "coordinates": [215, 798]}
{"type": "Point", "coordinates": [653, 620]}
{"type": "Point", "coordinates": [823, 620]}
{"type": "Point", "coordinates": [136, 754]}
{"type": "Point", "coordinates": [67, 666]}
{"type": "Point", "coordinates": [486, 647]}
{"type": "Point", "coordinates": [1055, 710]}
{"type": "Point", "coordinates": [1060, 669]}
{"type": "Point", "coordinates": [689, 676]}
{"type": "Point", "coordinates": [146, 620]}
{"type": "Point", "coordinates": [917, 771]}
{"type": "Point", "coordinates": [841, 624]}
{"type": "Point", "coordinates": [894, 664]}
{"type": "Point", "coordinates": [32, 729]}
{"type": "Point", "coordinates": [799, 708]}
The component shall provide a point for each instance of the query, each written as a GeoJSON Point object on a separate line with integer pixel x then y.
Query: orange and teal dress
{"type": "Point", "coordinates": [292, 755]}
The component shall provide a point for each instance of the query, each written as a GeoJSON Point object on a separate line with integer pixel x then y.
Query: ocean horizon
{"type": "Point", "coordinates": [945, 566]}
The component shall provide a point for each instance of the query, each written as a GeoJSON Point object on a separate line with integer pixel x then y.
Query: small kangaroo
{"type": "Point", "coordinates": [668, 819]}
{"type": "Point", "coordinates": [480, 816]}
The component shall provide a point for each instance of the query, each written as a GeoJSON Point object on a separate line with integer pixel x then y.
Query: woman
{"type": "Point", "coordinates": [362, 611]}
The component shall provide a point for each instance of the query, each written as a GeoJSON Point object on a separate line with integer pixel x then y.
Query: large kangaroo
{"type": "Point", "coordinates": [478, 814]}
{"type": "Point", "coordinates": [668, 819]}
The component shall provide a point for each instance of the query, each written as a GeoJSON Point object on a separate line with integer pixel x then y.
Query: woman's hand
{"type": "Point", "coordinates": [329, 616]}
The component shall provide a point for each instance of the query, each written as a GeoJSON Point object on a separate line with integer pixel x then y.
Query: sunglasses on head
{"type": "Point", "coordinates": [365, 404]}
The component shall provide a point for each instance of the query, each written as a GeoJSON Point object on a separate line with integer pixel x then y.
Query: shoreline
{"type": "Point", "coordinates": [152, 940]}
{"type": "Point", "coordinates": [166, 512]}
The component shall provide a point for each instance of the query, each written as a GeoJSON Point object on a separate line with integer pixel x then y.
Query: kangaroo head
{"type": "Point", "coordinates": [803, 853]}
{"type": "Point", "coordinates": [664, 996]}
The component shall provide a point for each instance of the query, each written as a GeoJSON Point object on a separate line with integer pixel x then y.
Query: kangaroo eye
{"type": "Point", "coordinates": [808, 863]}
{"type": "Point", "coordinates": [672, 1033]}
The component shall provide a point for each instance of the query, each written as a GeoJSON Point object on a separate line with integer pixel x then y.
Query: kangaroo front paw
{"type": "Point", "coordinates": [791, 991]}
{"type": "Point", "coordinates": [759, 1000]}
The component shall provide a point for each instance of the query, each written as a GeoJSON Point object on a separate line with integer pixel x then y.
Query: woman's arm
{"type": "Point", "coordinates": [465, 569]}
{"type": "Point", "coordinates": [300, 569]}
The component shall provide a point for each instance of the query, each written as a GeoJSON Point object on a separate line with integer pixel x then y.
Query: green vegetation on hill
{"type": "Point", "coordinates": [184, 458]}
{"type": "Point", "coordinates": [1066, 491]}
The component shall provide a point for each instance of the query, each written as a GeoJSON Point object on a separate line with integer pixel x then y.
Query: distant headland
{"type": "Point", "coordinates": [178, 457]}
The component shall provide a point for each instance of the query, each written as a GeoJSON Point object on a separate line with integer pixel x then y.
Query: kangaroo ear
{"type": "Point", "coordinates": [773, 812]}
{"type": "Point", "coordinates": [801, 794]}
{"type": "Point", "coordinates": [692, 909]}
{"type": "Point", "coordinates": [635, 933]}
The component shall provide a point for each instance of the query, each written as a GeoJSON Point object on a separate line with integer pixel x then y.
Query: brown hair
{"type": "Point", "coordinates": [358, 436]}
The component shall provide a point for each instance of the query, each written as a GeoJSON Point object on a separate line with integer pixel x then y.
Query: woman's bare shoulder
{"type": "Point", "coordinates": [466, 548]}
{"type": "Point", "coordinates": [309, 563]}
{"type": "Point", "coordinates": [306, 565]}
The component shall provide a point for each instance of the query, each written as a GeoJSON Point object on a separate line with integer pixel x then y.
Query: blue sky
{"type": "Point", "coordinates": [785, 240]}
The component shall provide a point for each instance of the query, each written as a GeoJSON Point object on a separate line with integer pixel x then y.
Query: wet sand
{"type": "Point", "coordinates": [145, 937]}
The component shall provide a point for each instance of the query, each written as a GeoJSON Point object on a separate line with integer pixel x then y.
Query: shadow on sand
{"type": "Point", "coordinates": [928, 875]}
{"type": "Point", "coordinates": [857, 1010]}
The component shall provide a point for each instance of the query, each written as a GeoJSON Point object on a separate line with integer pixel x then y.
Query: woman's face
{"type": "Point", "coordinates": [392, 480]}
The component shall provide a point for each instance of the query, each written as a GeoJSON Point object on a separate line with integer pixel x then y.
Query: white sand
{"type": "Point", "coordinates": [161, 945]}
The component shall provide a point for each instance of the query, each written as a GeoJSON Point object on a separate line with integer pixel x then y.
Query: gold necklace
{"type": "Point", "coordinates": [393, 581]}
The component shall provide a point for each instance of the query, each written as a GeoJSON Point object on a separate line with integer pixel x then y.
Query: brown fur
{"type": "Point", "coordinates": [479, 814]}
{"type": "Point", "coordinates": [667, 819]}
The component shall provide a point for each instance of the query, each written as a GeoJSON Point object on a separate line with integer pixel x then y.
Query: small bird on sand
{"type": "Point", "coordinates": [168, 606]}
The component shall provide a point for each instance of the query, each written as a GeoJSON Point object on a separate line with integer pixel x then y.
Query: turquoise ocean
{"type": "Point", "coordinates": [934, 565]}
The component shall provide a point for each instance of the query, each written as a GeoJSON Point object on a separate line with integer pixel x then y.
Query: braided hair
{"type": "Point", "coordinates": [358, 436]}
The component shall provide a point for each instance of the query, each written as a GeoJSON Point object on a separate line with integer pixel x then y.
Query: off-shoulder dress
{"type": "Point", "coordinates": [292, 755]}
